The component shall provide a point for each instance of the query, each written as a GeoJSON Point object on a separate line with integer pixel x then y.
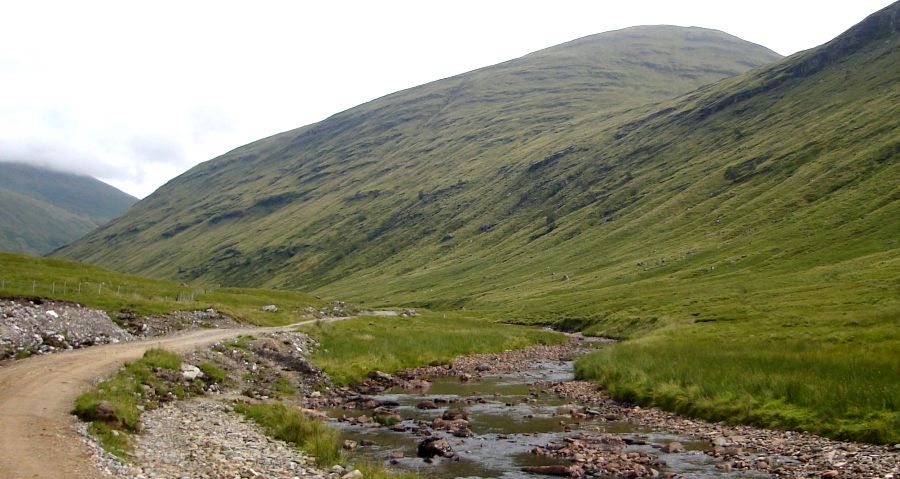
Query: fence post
{"type": "Point", "coordinates": [65, 286]}
{"type": "Point", "coordinates": [99, 288]}
{"type": "Point", "coordinates": [33, 284]}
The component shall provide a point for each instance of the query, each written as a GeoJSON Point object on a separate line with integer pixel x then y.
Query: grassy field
{"type": "Point", "coordinates": [112, 292]}
{"type": "Point", "coordinates": [839, 378]}
{"type": "Point", "coordinates": [289, 424]}
{"type": "Point", "coordinates": [350, 349]}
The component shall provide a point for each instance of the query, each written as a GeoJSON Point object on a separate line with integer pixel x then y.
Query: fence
{"type": "Point", "coordinates": [66, 289]}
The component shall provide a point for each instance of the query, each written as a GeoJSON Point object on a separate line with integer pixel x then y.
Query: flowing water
{"type": "Point", "coordinates": [509, 418]}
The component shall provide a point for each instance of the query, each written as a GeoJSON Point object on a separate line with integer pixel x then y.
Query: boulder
{"type": "Point", "coordinates": [483, 367]}
{"type": "Point", "coordinates": [354, 474]}
{"type": "Point", "coordinates": [454, 414]}
{"type": "Point", "coordinates": [270, 308]}
{"type": "Point", "coordinates": [434, 446]}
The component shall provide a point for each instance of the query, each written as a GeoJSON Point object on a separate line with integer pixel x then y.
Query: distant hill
{"type": "Point", "coordinates": [377, 189]}
{"type": "Point", "coordinates": [41, 210]}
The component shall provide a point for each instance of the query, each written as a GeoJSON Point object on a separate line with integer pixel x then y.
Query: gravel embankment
{"type": "Point", "coordinates": [40, 327]}
{"type": "Point", "coordinates": [201, 438]}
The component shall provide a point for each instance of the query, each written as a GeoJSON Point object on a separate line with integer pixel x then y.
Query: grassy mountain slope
{"type": "Point", "coordinates": [366, 186]}
{"type": "Point", "coordinates": [41, 210]}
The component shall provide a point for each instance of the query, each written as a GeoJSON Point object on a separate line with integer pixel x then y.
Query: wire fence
{"type": "Point", "coordinates": [74, 289]}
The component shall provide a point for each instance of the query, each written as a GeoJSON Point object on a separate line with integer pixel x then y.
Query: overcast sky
{"type": "Point", "coordinates": [135, 93]}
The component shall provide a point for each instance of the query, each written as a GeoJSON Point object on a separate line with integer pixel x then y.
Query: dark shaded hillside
{"type": "Point", "coordinates": [41, 210]}
{"type": "Point", "coordinates": [403, 172]}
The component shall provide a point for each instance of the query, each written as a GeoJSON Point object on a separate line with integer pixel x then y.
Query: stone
{"type": "Point", "coordinates": [270, 308]}
{"type": "Point", "coordinates": [106, 412]}
{"type": "Point", "coordinates": [381, 376]}
{"type": "Point", "coordinates": [349, 444]}
{"type": "Point", "coordinates": [354, 474]}
{"type": "Point", "coordinates": [673, 447]}
{"type": "Point", "coordinates": [426, 405]}
{"type": "Point", "coordinates": [483, 367]}
{"type": "Point", "coordinates": [433, 446]}
{"type": "Point", "coordinates": [455, 414]}
{"type": "Point", "coordinates": [190, 372]}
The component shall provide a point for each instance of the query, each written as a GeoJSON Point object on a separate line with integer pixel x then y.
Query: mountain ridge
{"type": "Point", "coordinates": [43, 209]}
{"type": "Point", "coordinates": [621, 202]}
{"type": "Point", "coordinates": [515, 101]}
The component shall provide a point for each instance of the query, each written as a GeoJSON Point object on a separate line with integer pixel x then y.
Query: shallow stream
{"type": "Point", "coordinates": [508, 421]}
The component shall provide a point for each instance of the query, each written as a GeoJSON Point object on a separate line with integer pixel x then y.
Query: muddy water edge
{"type": "Point", "coordinates": [506, 418]}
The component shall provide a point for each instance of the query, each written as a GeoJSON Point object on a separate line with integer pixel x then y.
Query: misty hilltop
{"type": "Point", "coordinates": [42, 209]}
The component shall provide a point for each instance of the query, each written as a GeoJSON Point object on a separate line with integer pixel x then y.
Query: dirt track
{"type": "Point", "coordinates": [37, 438]}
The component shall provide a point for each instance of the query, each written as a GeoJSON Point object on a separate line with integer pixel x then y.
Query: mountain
{"type": "Point", "coordinates": [546, 188]}
{"type": "Point", "coordinates": [41, 210]}
{"type": "Point", "coordinates": [365, 187]}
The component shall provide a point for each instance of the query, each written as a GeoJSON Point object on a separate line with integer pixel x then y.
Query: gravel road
{"type": "Point", "coordinates": [37, 434]}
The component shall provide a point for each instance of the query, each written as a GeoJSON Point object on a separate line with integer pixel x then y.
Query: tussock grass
{"type": "Point", "coordinates": [312, 436]}
{"type": "Point", "coordinates": [350, 349]}
{"type": "Point", "coordinates": [215, 373]}
{"type": "Point", "coordinates": [840, 380]}
{"type": "Point", "coordinates": [289, 424]}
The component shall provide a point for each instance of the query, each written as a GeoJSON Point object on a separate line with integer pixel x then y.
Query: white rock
{"type": "Point", "coordinates": [191, 372]}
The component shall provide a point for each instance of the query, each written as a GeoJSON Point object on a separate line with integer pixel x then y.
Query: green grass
{"type": "Point", "coordinates": [289, 424]}
{"type": "Point", "coordinates": [350, 349]}
{"type": "Point", "coordinates": [125, 392]}
{"type": "Point", "coordinates": [839, 378]}
{"type": "Point", "coordinates": [215, 373]}
{"type": "Point", "coordinates": [113, 292]}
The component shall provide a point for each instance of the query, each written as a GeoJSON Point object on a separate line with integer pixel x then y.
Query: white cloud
{"type": "Point", "coordinates": [137, 93]}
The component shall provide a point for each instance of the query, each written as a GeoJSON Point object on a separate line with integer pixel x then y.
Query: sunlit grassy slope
{"type": "Point", "coordinates": [386, 181]}
{"type": "Point", "coordinates": [29, 276]}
